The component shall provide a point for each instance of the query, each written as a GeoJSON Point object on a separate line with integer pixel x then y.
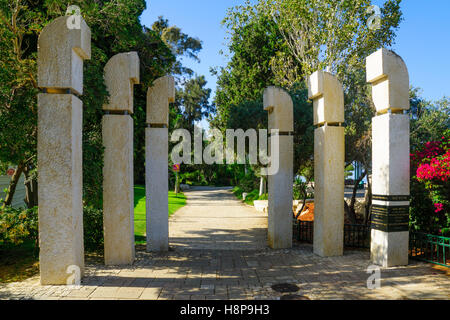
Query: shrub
{"type": "Point", "coordinates": [300, 190]}
{"type": "Point", "coordinates": [251, 196]}
{"type": "Point", "coordinates": [264, 196]}
{"type": "Point", "coordinates": [18, 225]}
{"type": "Point", "coordinates": [430, 187]}
{"type": "Point", "coordinates": [238, 192]}
{"type": "Point", "coordinates": [93, 228]}
{"type": "Point", "coordinates": [193, 178]}
{"type": "Point", "coordinates": [249, 182]}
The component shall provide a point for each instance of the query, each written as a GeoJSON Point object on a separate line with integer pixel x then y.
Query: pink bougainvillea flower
{"type": "Point", "coordinates": [438, 207]}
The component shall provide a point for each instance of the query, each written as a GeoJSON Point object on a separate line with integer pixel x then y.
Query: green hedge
{"type": "Point", "coordinates": [93, 228]}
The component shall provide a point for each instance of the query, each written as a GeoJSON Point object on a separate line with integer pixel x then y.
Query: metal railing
{"type": "Point", "coordinates": [303, 230]}
{"type": "Point", "coordinates": [429, 248]}
{"type": "Point", "coordinates": [355, 235]}
{"type": "Point", "coordinates": [422, 246]}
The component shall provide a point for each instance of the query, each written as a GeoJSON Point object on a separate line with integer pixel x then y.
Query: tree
{"type": "Point", "coordinates": [192, 101]}
{"type": "Point", "coordinates": [330, 33]}
{"type": "Point", "coordinates": [179, 43]}
{"type": "Point", "coordinates": [161, 40]}
{"type": "Point", "coordinates": [18, 87]}
{"type": "Point", "coordinates": [276, 42]}
{"type": "Point", "coordinates": [115, 28]}
{"type": "Point", "coordinates": [254, 44]}
{"type": "Point", "coordinates": [192, 105]}
{"type": "Point", "coordinates": [428, 120]}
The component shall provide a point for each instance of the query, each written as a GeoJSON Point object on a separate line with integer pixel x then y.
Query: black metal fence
{"type": "Point", "coordinates": [303, 231]}
{"type": "Point", "coordinates": [355, 235]}
{"type": "Point", "coordinates": [422, 246]}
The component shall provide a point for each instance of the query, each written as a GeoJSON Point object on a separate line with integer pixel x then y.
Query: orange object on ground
{"type": "Point", "coordinates": [307, 213]}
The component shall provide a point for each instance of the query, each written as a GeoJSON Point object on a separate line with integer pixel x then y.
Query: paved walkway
{"type": "Point", "coordinates": [214, 219]}
{"type": "Point", "coordinates": [219, 252]}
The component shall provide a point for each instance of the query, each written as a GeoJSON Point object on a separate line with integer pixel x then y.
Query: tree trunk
{"type": "Point", "coordinates": [13, 185]}
{"type": "Point", "coordinates": [31, 189]}
{"type": "Point", "coordinates": [262, 186]}
{"type": "Point", "coordinates": [350, 209]}
{"type": "Point", "coordinates": [350, 213]}
{"type": "Point", "coordinates": [368, 201]}
{"type": "Point", "coordinates": [177, 184]}
{"type": "Point", "coordinates": [305, 195]}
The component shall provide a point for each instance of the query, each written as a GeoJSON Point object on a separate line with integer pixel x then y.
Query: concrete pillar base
{"type": "Point", "coordinates": [389, 249]}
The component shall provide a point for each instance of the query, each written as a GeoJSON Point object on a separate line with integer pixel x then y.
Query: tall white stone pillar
{"type": "Point", "coordinates": [281, 117]}
{"type": "Point", "coordinates": [329, 155]}
{"type": "Point", "coordinates": [156, 163]}
{"type": "Point", "coordinates": [61, 52]}
{"type": "Point", "coordinates": [121, 73]}
{"type": "Point", "coordinates": [389, 77]}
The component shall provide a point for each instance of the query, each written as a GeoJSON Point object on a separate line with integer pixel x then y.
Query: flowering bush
{"type": "Point", "coordinates": [431, 168]}
{"type": "Point", "coordinates": [18, 225]}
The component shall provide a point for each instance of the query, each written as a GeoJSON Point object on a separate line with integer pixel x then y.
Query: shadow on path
{"type": "Point", "coordinates": [214, 219]}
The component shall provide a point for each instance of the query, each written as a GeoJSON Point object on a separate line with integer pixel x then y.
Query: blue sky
{"type": "Point", "coordinates": [423, 39]}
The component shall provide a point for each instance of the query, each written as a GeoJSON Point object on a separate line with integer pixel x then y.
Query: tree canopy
{"type": "Point", "coordinates": [115, 28]}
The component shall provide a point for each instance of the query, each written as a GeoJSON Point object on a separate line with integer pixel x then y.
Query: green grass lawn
{"type": "Point", "coordinates": [175, 203]}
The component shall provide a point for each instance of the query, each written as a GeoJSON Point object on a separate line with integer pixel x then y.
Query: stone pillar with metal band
{"type": "Point", "coordinates": [280, 180]}
{"type": "Point", "coordinates": [388, 74]}
{"type": "Point", "coordinates": [156, 162]}
{"type": "Point", "coordinates": [121, 73]}
{"type": "Point", "coordinates": [61, 52]}
{"type": "Point", "coordinates": [329, 155]}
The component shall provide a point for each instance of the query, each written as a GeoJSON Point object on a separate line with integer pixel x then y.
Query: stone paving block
{"type": "Point", "coordinates": [193, 282]}
{"type": "Point", "coordinates": [156, 284]}
{"type": "Point", "coordinates": [165, 296]}
{"type": "Point", "coordinates": [182, 297]}
{"type": "Point", "coordinates": [129, 292]}
{"type": "Point", "coordinates": [150, 293]}
{"type": "Point", "coordinates": [216, 297]}
{"type": "Point", "coordinates": [207, 286]}
{"type": "Point", "coordinates": [105, 292]}
{"type": "Point", "coordinates": [139, 282]}
{"type": "Point", "coordinates": [46, 297]}
{"type": "Point", "coordinates": [82, 292]}
{"type": "Point", "coordinates": [253, 263]}
{"type": "Point", "coordinates": [198, 291]}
